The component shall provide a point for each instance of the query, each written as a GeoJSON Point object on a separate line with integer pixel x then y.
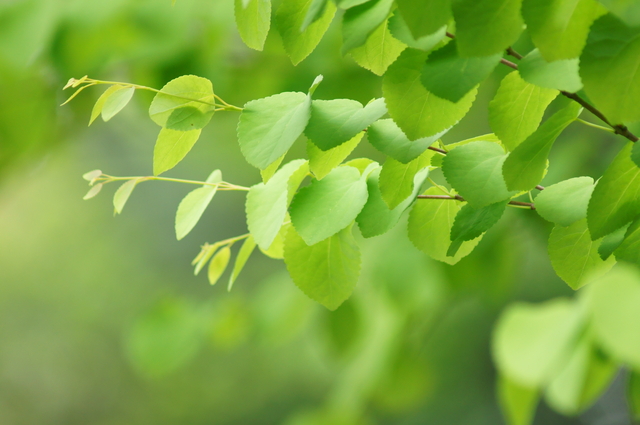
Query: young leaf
{"type": "Point", "coordinates": [399, 29]}
{"type": "Point", "coordinates": [116, 102]}
{"type": "Point", "coordinates": [396, 178]}
{"type": "Point", "coordinates": [253, 21]}
{"type": "Point", "coordinates": [193, 205]}
{"type": "Point", "coordinates": [612, 241]}
{"type": "Point", "coordinates": [205, 255]}
{"type": "Point", "coordinates": [327, 206]}
{"type": "Point", "coordinates": [121, 196]}
{"type": "Point", "coordinates": [171, 147]}
{"type": "Point", "coordinates": [290, 17]}
{"type": "Point", "coordinates": [218, 264]}
{"type": "Point", "coordinates": [360, 21]}
{"type": "Point", "coordinates": [376, 218]}
{"type": "Point", "coordinates": [93, 191]}
{"type": "Point", "coordinates": [451, 77]}
{"type": "Point", "coordinates": [526, 165]}
{"type": "Point", "coordinates": [184, 103]}
{"type": "Point", "coordinates": [608, 67]}
{"type": "Point", "coordinates": [386, 136]}
{"type": "Point", "coordinates": [379, 51]}
{"type": "Point", "coordinates": [418, 112]}
{"type": "Point", "coordinates": [518, 403]}
{"type": "Point", "coordinates": [559, 28]}
{"type": "Point", "coordinates": [475, 171]}
{"type": "Point", "coordinates": [267, 203]}
{"type": "Point", "coordinates": [616, 198]}
{"type": "Point", "coordinates": [425, 17]}
{"type": "Point", "coordinates": [97, 108]}
{"type": "Point", "coordinates": [327, 271]}
{"type": "Point", "coordinates": [560, 75]}
{"type": "Point", "coordinates": [628, 250]}
{"type": "Point", "coordinates": [471, 223]}
{"type": "Point", "coordinates": [322, 162]}
{"type": "Point", "coordinates": [486, 27]}
{"type": "Point", "coordinates": [566, 202]}
{"type": "Point", "coordinates": [243, 255]}
{"type": "Point", "coordinates": [574, 256]}
{"type": "Point", "coordinates": [91, 176]}
{"type": "Point", "coordinates": [268, 127]}
{"type": "Point", "coordinates": [334, 122]}
{"type": "Point", "coordinates": [430, 223]}
{"type": "Point", "coordinates": [517, 108]}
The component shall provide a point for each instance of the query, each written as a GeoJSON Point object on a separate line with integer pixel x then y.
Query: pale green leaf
{"type": "Point", "coordinates": [471, 223]}
{"type": "Point", "coordinates": [116, 102]}
{"type": "Point", "coordinates": [93, 191]}
{"type": "Point", "coordinates": [327, 206]}
{"type": "Point", "coordinates": [171, 147]}
{"type": "Point", "coordinates": [122, 194]}
{"type": "Point", "coordinates": [635, 154]}
{"type": "Point", "coordinates": [517, 109]}
{"type": "Point", "coordinates": [91, 176]}
{"type": "Point", "coordinates": [326, 272]}
{"type": "Point", "coordinates": [425, 17]}
{"type": "Point", "coordinates": [399, 29]}
{"type": "Point", "coordinates": [193, 205]}
{"type": "Point", "coordinates": [396, 179]}
{"type": "Point", "coordinates": [347, 4]}
{"type": "Point", "coordinates": [612, 241]}
{"type": "Point", "coordinates": [276, 250]}
{"type": "Point", "coordinates": [360, 21]}
{"type": "Point", "coordinates": [418, 112]}
{"type": "Point", "coordinates": [627, 10]}
{"type": "Point", "coordinates": [97, 107]}
{"type": "Point", "coordinates": [518, 403]}
{"type": "Point", "coordinates": [379, 51]}
{"type": "Point", "coordinates": [386, 136]}
{"type": "Point", "coordinates": [314, 12]}
{"type": "Point", "coordinates": [322, 162]}
{"type": "Point", "coordinates": [629, 248]}
{"type": "Point", "coordinates": [253, 21]}
{"type": "Point", "coordinates": [243, 255]}
{"type": "Point", "coordinates": [185, 103]}
{"type": "Point", "coordinates": [566, 202]}
{"type": "Point", "coordinates": [560, 75]}
{"type": "Point", "coordinates": [268, 127]}
{"type": "Point", "coordinates": [205, 255]}
{"type": "Point", "coordinates": [268, 172]}
{"type": "Point", "coordinates": [218, 264]}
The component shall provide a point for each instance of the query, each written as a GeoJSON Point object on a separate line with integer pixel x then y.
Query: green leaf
{"type": "Point", "coordinates": [253, 21]}
{"type": "Point", "coordinates": [635, 154]}
{"type": "Point", "coordinates": [518, 403]}
{"type": "Point", "coordinates": [399, 29]}
{"type": "Point", "coordinates": [627, 10]}
{"type": "Point", "coordinates": [276, 250]}
{"type": "Point", "coordinates": [471, 223]}
{"type": "Point", "coordinates": [633, 394]}
{"type": "Point", "coordinates": [327, 206]}
{"type": "Point", "coordinates": [525, 167]}
{"type": "Point", "coordinates": [171, 147]}
{"type": "Point", "coordinates": [315, 12]}
{"type": "Point", "coordinates": [333, 122]}
{"type": "Point", "coordinates": [451, 77]}
{"type": "Point", "coordinates": [360, 21]}
{"type": "Point", "coordinates": [268, 172]}
{"type": "Point", "coordinates": [322, 162]}
{"type": "Point", "coordinates": [517, 109]}
{"type": "Point", "coordinates": [475, 171]}
{"type": "Point", "coordinates": [559, 28]}
{"type": "Point", "coordinates": [376, 218]}
{"type": "Point", "coordinates": [122, 194]}
{"type": "Point", "coordinates": [616, 198]}
{"type": "Point", "coordinates": [386, 136]}
{"type": "Point", "coordinates": [601, 370]}
{"type": "Point", "coordinates": [425, 17]}
{"type": "Point", "coordinates": [363, 165]}
{"type": "Point", "coordinates": [218, 264]}
{"type": "Point", "coordinates": [185, 103]}
{"type": "Point", "coordinates": [93, 191]}
{"type": "Point", "coordinates": [347, 4]}
{"type": "Point", "coordinates": [559, 75]}
{"type": "Point", "coordinates": [628, 248]}
{"type": "Point", "coordinates": [396, 179]}
{"type": "Point", "coordinates": [611, 242]}
{"type": "Point", "coordinates": [116, 102]}
{"type": "Point", "coordinates": [430, 223]}
{"type": "Point", "coordinates": [486, 27]}
{"type": "Point", "coordinates": [326, 272]}
{"type": "Point", "coordinates": [267, 203]}
{"type": "Point", "coordinates": [243, 255]}
{"type": "Point", "coordinates": [193, 205]}
{"type": "Point", "coordinates": [268, 127]}
{"type": "Point", "coordinates": [379, 51]}
{"type": "Point", "coordinates": [100, 103]}
{"type": "Point", "coordinates": [615, 317]}
{"type": "Point", "coordinates": [609, 69]}
{"type": "Point", "coordinates": [91, 176]}
{"type": "Point", "coordinates": [290, 18]}
{"type": "Point", "coordinates": [204, 256]}
{"type": "Point", "coordinates": [574, 256]}
{"type": "Point", "coordinates": [532, 342]}
{"type": "Point", "coordinates": [418, 112]}
{"type": "Point", "coordinates": [566, 202]}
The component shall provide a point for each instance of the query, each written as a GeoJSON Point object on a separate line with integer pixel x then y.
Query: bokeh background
{"type": "Point", "coordinates": [102, 320]}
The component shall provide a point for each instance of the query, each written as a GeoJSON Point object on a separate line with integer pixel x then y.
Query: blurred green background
{"type": "Point", "coordinates": [101, 319]}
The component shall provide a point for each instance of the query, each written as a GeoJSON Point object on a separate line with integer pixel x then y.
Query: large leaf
{"type": "Point", "coordinates": [629, 248]}
{"type": "Point", "coordinates": [486, 27]}
{"type": "Point", "coordinates": [322, 162]}
{"type": "Point", "coordinates": [471, 223]}
{"type": "Point", "coordinates": [418, 112]}
{"type": "Point", "coordinates": [185, 103]}
{"type": "Point", "coordinates": [334, 122]}
{"type": "Point", "coordinates": [327, 206]}
{"type": "Point", "coordinates": [171, 147]}
{"type": "Point", "coordinates": [425, 17]}
{"type": "Point", "coordinates": [525, 167]}
{"type": "Point", "coordinates": [616, 198]}
{"type": "Point", "coordinates": [290, 18]}
{"type": "Point", "coordinates": [193, 205]}
{"type": "Point", "coordinates": [386, 136]}
{"type": "Point", "coordinates": [360, 21]}
{"type": "Point", "coordinates": [396, 179]}
{"type": "Point", "coordinates": [517, 108]}
{"type": "Point", "coordinates": [475, 171]}
{"type": "Point", "coordinates": [574, 256]}
{"type": "Point", "coordinates": [327, 271]}
{"type": "Point", "coordinates": [612, 241]}
{"type": "Point", "coordinates": [267, 203]}
{"type": "Point", "coordinates": [566, 202]}
{"type": "Point", "coordinates": [268, 127]}
{"type": "Point", "coordinates": [560, 75]}
{"type": "Point", "coordinates": [559, 28]}
{"type": "Point", "coordinates": [451, 77]}
{"type": "Point", "coordinates": [610, 69]}
{"type": "Point", "coordinates": [627, 10]}
{"type": "Point", "coordinates": [379, 51]}
{"type": "Point", "coordinates": [430, 223]}
{"type": "Point", "coordinates": [253, 21]}
{"type": "Point", "coordinates": [401, 31]}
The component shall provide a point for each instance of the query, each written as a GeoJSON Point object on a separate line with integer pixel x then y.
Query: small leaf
{"type": "Point", "coordinates": [360, 21]}
{"type": "Point", "coordinates": [628, 250]}
{"type": "Point", "coordinates": [611, 242]}
{"type": "Point", "coordinates": [471, 223]}
{"type": "Point", "coordinates": [386, 136]}
{"type": "Point", "coordinates": [184, 103]}
{"type": "Point", "coordinates": [396, 179]}
{"type": "Point", "coordinates": [218, 264]}
{"type": "Point", "coordinates": [253, 20]}
{"type": "Point", "coordinates": [171, 147]}
{"type": "Point", "coordinates": [268, 172]}
{"type": "Point", "coordinates": [93, 191]}
{"type": "Point", "coordinates": [276, 250]}
{"type": "Point", "coordinates": [518, 403]}
{"type": "Point", "coordinates": [243, 255]}
{"type": "Point", "coordinates": [400, 30]}
{"type": "Point", "coordinates": [566, 202]}
{"type": "Point", "coordinates": [193, 205]}
{"type": "Point", "coordinates": [121, 196]}
{"type": "Point", "coordinates": [322, 162]}
{"type": "Point", "coordinates": [379, 51]}
{"type": "Point", "coordinates": [97, 107]}
{"type": "Point", "coordinates": [92, 175]}
{"type": "Point", "coordinates": [207, 253]}
{"type": "Point", "coordinates": [560, 75]}
{"type": "Point", "coordinates": [116, 102]}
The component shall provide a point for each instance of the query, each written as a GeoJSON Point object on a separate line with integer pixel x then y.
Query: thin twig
{"type": "Point", "coordinates": [529, 205]}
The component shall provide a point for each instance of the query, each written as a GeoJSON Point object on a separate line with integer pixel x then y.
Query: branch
{"type": "Point", "coordinates": [460, 198]}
